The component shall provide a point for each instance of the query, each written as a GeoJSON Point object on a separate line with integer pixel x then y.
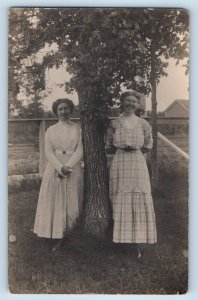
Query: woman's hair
{"type": "Point", "coordinates": [59, 101]}
{"type": "Point", "coordinates": [130, 93]}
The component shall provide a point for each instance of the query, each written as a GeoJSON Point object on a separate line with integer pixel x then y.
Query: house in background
{"type": "Point", "coordinates": [179, 108]}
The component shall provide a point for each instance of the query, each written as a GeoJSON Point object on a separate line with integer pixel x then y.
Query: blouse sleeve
{"type": "Point", "coordinates": [109, 136]}
{"type": "Point", "coordinates": [110, 148]}
{"type": "Point", "coordinates": [148, 140]}
{"type": "Point", "coordinates": [49, 151]}
{"type": "Point", "coordinates": [78, 153]}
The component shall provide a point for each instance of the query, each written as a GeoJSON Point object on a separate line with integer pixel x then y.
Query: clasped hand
{"type": "Point", "coordinates": [144, 150]}
{"type": "Point", "coordinates": [65, 170]}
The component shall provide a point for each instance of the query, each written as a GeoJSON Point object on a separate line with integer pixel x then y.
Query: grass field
{"type": "Point", "coordinates": [22, 159]}
{"type": "Point", "coordinates": [88, 265]}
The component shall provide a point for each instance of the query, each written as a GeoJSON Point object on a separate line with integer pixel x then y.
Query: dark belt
{"type": "Point", "coordinates": [128, 149]}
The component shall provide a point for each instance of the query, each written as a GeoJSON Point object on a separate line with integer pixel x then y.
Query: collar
{"type": "Point", "coordinates": [64, 122]}
{"type": "Point", "coordinates": [125, 116]}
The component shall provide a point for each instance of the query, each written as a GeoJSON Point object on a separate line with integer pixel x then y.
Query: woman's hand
{"type": "Point", "coordinates": [111, 150]}
{"type": "Point", "coordinates": [144, 150]}
{"type": "Point", "coordinates": [65, 170]}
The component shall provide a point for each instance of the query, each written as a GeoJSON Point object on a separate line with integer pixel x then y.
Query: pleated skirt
{"type": "Point", "coordinates": [59, 203]}
{"type": "Point", "coordinates": [132, 203]}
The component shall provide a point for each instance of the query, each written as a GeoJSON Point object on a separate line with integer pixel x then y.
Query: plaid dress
{"type": "Point", "coordinates": [60, 199]}
{"type": "Point", "coordinates": [130, 190]}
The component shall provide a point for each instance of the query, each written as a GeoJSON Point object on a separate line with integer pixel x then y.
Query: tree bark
{"type": "Point", "coordinates": [96, 214]}
{"type": "Point", "coordinates": [154, 163]}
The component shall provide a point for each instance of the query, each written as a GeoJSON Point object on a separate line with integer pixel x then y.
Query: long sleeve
{"type": "Point", "coordinates": [109, 137]}
{"type": "Point", "coordinates": [49, 151]}
{"type": "Point", "coordinates": [78, 153]}
{"type": "Point", "coordinates": [110, 148]}
{"type": "Point", "coordinates": [148, 140]}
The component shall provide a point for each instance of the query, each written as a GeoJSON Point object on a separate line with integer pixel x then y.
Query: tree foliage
{"type": "Point", "coordinates": [25, 74]}
{"type": "Point", "coordinates": [104, 48]}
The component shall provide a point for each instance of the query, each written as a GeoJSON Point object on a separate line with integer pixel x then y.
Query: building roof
{"type": "Point", "coordinates": [181, 102]}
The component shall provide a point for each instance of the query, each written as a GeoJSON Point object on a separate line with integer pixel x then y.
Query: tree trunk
{"type": "Point", "coordinates": [154, 163]}
{"type": "Point", "coordinates": [96, 214]}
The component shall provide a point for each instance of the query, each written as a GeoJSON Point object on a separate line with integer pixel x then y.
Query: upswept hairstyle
{"type": "Point", "coordinates": [130, 93]}
{"type": "Point", "coordinates": [62, 100]}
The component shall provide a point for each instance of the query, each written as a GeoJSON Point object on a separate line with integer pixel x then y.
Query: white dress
{"type": "Point", "coordinates": [130, 190]}
{"type": "Point", "coordinates": [60, 199]}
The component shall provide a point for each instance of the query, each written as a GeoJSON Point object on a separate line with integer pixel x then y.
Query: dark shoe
{"type": "Point", "coordinates": [136, 251]}
{"type": "Point", "coordinates": [57, 245]}
{"type": "Point", "coordinates": [139, 254]}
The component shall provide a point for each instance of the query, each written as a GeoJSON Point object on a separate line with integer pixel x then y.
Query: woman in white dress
{"type": "Point", "coordinates": [130, 190]}
{"type": "Point", "coordinates": [61, 192]}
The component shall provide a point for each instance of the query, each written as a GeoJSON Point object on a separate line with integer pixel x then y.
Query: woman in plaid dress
{"type": "Point", "coordinates": [130, 190]}
{"type": "Point", "coordinates": [60, 197]}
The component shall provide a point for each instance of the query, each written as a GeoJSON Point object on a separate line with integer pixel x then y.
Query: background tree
{"type": "Point", "coordinates": [164, 34]}
{"type": "Point", "coordinates": [17, 24]}
{"type": "Point", "coordinates": [25, 74]}
{"type": "Point", "coordinates": [104, 49]}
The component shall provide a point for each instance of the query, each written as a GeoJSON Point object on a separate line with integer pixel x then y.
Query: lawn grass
{"type": "Point", "coordinates": [23, 159]}
{"type": "Point", "coordinates": [87, 265]}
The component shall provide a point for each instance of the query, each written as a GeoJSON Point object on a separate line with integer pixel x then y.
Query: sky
{"type": "Point", "coordinates": [174, 86]}
{"type": "Point", "coordinates": [170, 88]}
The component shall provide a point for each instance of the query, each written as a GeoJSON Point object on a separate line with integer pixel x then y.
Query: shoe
{"type": "Point", "coordinates": [57, 245]}
{"type": "Point", "coordinates": [139, 254]}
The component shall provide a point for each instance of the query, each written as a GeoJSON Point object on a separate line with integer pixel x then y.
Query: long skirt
{"type": "Point", "coordinates": [132, 203]}
{"type": "Point", "coordinates": [59, 203]}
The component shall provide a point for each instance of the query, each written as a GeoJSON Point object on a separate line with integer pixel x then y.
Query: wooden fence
{"type": "Point", "coordinates": [44, 123]}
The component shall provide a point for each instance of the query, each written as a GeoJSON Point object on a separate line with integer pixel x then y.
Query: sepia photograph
{"type": "Point", "coordinates": [98, 150]}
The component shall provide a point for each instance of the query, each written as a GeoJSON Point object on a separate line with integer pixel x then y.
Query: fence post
{"type": "Point", "coordinates": [42, 158]}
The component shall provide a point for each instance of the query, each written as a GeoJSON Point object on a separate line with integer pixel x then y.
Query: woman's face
{"type": "Point", "coordinates": [129, 104]}
{"type": "Point", "coordinates": [63, 111]}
